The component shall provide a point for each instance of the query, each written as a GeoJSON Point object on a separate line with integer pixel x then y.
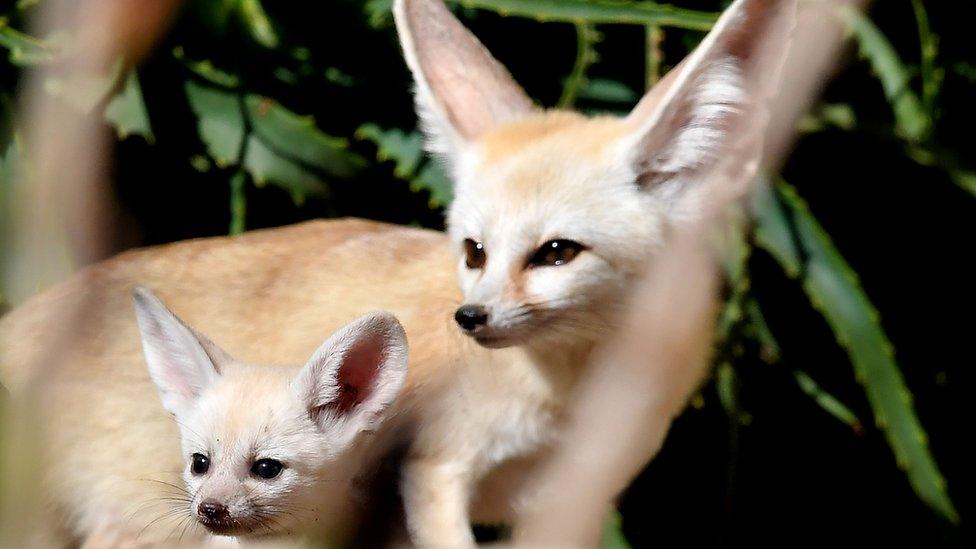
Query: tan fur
{"type": "Point", "coordinates": [564, 130]}
{"type": "Point", "coordinates": [268, 296]}
{"type": "Point", "coordinates": [523, 178]}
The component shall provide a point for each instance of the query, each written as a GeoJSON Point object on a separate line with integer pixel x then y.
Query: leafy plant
{"type": "Point", "coordinates": [267, 97]}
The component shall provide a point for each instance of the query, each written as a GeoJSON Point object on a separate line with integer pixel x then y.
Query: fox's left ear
{"type": "Point", "coordinates": [680, 128]}
{"type": "Point", "coordinates": [354, 376]}
{"type": "Point", "coordinates": [462, 91]}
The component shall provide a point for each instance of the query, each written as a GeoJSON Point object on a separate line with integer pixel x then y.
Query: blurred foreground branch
{"type": "Point", "coordinates": [632, 391]}
{"type": "Point", "coordinates": [60, 212]}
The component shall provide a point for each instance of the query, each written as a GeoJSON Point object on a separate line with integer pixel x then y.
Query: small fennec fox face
{"type": "Point", "coordinates": [555, 212]}
{"type": "Point", "coordinates": [261, 444]}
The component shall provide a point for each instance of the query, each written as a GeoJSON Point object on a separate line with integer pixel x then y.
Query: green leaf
{"type": "Point", "coordinates": [267, 166]}
{"type": "Point", "coordinates": [834, 290]}
{"type": "Point", "coordinates": [258, 23]}
{"type": "Point", "coordinates": [24, 49]}
{"type": "Point", "coordinates": [599, 11]}
{"type": "Point", "coordinates": [206, 70]}
{"type": "Point", "coordinates": [433, 179]}
{"type": "Point", "coordinates": [406, 151]}
{"type": "Point", "coordinates": [613, 534]}
{"type": "Point", "coordinates": [607, 91]}
{"type": "Point", "coordinates": [10, 162]}
{"type": "Point", "coordinates": [298, 138]}
{"type": "Point", "coordinates": [127, 111]}
{"type": "Point", "coordinates": [911, 121]}
{"type": "Point", "coordinates": [220, 122]}
{"type": "Point", "coordinates": [830, 404]}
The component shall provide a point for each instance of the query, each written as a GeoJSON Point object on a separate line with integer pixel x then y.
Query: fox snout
{"type": "Point", "coordinates": [471, 318]}
{"type": "Point", "coordinates": [212, 511]}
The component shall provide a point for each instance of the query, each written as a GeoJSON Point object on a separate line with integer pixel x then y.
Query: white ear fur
{"type": "Point", "coordinates": [462, 91]}
{"type": "Point", "coordinates": [682, 126]}
{"type": "Point", "coordinates": [354, 376]}
{"type": "Point", "coordinates": [182, 363]}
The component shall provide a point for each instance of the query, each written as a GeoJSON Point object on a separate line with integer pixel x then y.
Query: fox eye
{"type": "Point", "coordinates": [474, 252]}
{"type": "Point", "coordinates": [200, 464]}
{"type": "Point", "coordinates": [555, 253]}
{"type": "Point", "coordinates": [267, 468]}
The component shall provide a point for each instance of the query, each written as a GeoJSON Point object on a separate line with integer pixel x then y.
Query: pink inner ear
{"type": "Point", "coordinates": [357, 375]}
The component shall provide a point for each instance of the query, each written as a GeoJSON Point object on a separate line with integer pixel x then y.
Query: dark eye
{"type": "Point", "coordinates": [200, 464]}
{"type": "Point", "coordinates": [555, 253]}
{"type": "Point", "coordinates": [474, 254]}
{"type": "Point", "coordinates": [267, 468]}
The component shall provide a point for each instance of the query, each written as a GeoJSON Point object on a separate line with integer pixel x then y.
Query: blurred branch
{"type": "Point", "coordinates": [643, 379]}
{"type": "Point", "coordinates": [58, 213]}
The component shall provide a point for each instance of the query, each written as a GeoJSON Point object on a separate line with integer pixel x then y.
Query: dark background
{"type": "Point", "coordinates": [794, 476]}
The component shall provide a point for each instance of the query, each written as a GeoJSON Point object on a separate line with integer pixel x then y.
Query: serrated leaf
{"type": "Point", "coordinates": [833, 288]}
{"type": "Point", "coordinates": [127, 111]}
{"type": "Point", "coordinates": [220, 122]}
{"type": "Point", "coordinates": [910, 119]}
{"type": "Point", "coordinates": [433, 179]}
{"type": "Point", "coordinates": [205, 69]}
{"type": "Point", "coordinates": [599, 11]}
{"type": "Point", "coordinates": [298, 138]}
{"type": "Point", "coordinates": [406, 152]}
{"type": "Point", "coordinates": [23, 48]}
{"type": "Point", "coordinates": [828, 402]}
{"type": "Point", "coordinates": [267, 166]}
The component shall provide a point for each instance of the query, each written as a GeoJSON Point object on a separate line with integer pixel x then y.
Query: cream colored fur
{"type": "Point", "coordinates": [523, 177]}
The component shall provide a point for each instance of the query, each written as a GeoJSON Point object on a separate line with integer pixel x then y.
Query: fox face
{"type": "Point", "coordinates": [262, 445]}
{"type": "Point", "coordinates": [550, 234]}
{"type": "Point", "coordinates": [555, 213]}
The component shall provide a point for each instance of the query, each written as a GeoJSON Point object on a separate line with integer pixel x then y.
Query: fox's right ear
{"type": "Point", "coordinates": [462, 91]}
{"type": "Point", "coordinates": [182, 362]}
{"type": "Point", "coordinates": [351, 380]}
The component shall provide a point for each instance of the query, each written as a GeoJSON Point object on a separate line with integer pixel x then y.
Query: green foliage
{"type": "Point", "coordinates": [127, 111]}
{"type": "Point", "coordinates": [24, 49]}
{"type": "Point", "coordinates": [787, 228]}
{"type": "Point", "coordinates": [244, 130]}
{"type": "Point", "coordinates": [613, 536]}
{"type": "Point", "coordinates": [405, 150]}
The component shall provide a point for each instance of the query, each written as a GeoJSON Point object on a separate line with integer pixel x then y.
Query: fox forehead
{"type": "Point", "coordinates": [248, 407]}
{"type": "Point", "coordinates": [550, 175]}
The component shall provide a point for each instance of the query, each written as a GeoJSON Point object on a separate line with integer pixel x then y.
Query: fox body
{"type": "Point", "coordinates": [555, 215]}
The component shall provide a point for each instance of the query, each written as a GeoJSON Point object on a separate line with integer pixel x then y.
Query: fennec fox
{"type": "Point", "coordinates": [555, 214]}
{"type": "Point", "coordinates": [263, 450]}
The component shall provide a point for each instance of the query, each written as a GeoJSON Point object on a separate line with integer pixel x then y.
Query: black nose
{"type": "Point", "coordinates": [471, 317]}
{"type": "Point", "coordinates": [214, 511]}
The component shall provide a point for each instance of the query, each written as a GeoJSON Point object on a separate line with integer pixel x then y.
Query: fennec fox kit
{"type": "Point", "coordinates": [262, 450]}
{"type": "Point", "coordinates": [555, 215]}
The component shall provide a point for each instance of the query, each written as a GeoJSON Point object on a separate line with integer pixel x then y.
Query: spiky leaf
{"type": "Point", "coordinates": [127, 111]}
{"type": "Point", "coordinates": [787, 229]}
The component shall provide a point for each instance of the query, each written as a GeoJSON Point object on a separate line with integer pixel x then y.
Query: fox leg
{"type": "Point", "coordinates": [436, 495]}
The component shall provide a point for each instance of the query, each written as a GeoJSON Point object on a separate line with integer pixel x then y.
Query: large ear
{"type": "Point", "coordinates": [354, 376]}
{"type": "Point", "coordinates": [462, 91]}
{"type": "Point", "coordinates": [182, 363]}
{"type": "Point", "coordinates": [680, 128]}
